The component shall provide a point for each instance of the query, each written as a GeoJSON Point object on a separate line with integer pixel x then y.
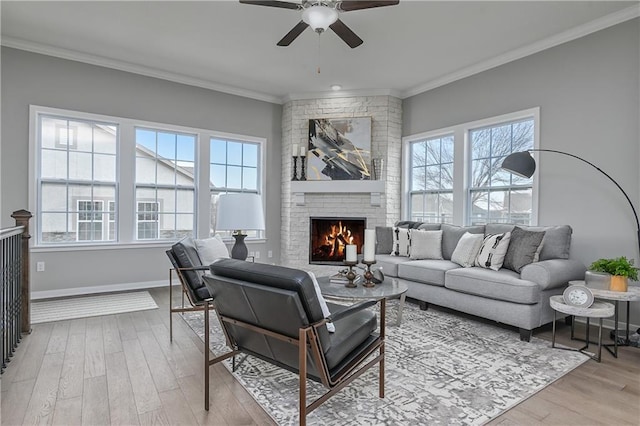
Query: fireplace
{"type": "Point", "coordinates": [328, 237]}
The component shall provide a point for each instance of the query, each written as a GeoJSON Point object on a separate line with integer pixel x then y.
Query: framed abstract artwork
{"type": "Point", "coordinates": [339, 149]}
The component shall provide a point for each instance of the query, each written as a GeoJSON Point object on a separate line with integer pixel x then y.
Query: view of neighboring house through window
{"type": "Point", "coordinates": [431, 191]}
{"type": "Point", "coordinates": [76, 179]}
{"type": "Point", "coordinates": [165, 184]}
{"type": "Point", "coordinates": [497, 195]}
{"type": "Point", "coordinates": [234, 167]}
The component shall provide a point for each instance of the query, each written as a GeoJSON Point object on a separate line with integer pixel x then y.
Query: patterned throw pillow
{"type": "Point", "coordinates": [401, 241]}
{"type": "Point", "coordinates": [522, 248]}
{"type": "Point", "coordinates": [467, 249]}
{"type": "Point", "coordinates": [494, 248]}
{"type": "Point", "coordinates": [425, 244]}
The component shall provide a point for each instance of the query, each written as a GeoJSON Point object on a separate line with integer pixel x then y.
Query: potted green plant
{"type": "Point", "coordinates": [620, 268]}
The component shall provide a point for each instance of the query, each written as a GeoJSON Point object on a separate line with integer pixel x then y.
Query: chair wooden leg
{"type": "Point", "coordinates": [302, 362]}
{"type": "Point", "coordinates": [206, 356]}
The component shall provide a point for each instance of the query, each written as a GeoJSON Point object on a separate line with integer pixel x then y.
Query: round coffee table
{"type": "Point", "coordinates": [598, 310]}
{"type": "Point", "coordinates": [390, 288]}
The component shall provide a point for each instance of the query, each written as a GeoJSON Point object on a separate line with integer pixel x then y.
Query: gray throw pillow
{"type": "Point", "coordinates": [522, 248]}
{"type": "Point", "coordinates": [384, 239]}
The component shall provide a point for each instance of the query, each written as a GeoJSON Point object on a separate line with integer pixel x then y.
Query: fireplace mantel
{"type": "Point", "coordinates": [373, 187]}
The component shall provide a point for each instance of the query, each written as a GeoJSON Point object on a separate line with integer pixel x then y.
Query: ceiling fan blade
{"type": "Point", "coordinates": [348, 5]}
{"type": "Point", "coordinates": [272, 3]}
{"type": "Point", "coordinates": [293, 34]}
{"type": "Point", "coordinates": [346, 34]}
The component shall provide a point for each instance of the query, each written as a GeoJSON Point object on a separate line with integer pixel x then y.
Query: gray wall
{"type": "Point", "coordinates": [29, 78]}
{"type": "Point", "coordinates": [588, 93]}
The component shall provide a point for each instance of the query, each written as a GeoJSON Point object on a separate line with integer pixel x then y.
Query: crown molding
{"type": "Point", "coordinates": [73, 55]}
{"type": "Point", "coordinates": [340, 94]}
{"type": "Point", "coordinates": [555, 40]}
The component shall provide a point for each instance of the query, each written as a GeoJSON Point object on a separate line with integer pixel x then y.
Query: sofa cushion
{"type": "Point", "coordinates": [425, 244]}
{"type": "Point", "coordinates": [467, 249]}
{"type": "Point", "coordinates": [451, 234]}
{"type": "Point", "coordinates": [493, 250]}
{"type": "Point", "coordinates": [522, 248]}
{"type": "Point", "coordinates": [401, 241]}
{"type": "Point", "coordinates": [426, 271]}
{"type": "Point", "coordinates": [384, 239]}
{"type": "Point", "coordinates": [409, 224]}
{"type": "Point", "coordinates": [389, 264]}
{"type": "Point", "coordinates": [500, 285]}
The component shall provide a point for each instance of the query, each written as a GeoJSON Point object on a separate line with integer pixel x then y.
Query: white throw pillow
{"type": "Point", "coordinates": [467, 249]}
{"type": "Point", "coordinates": [401, 242]}
{"type": "Point", "coordinates": [323, 304]}
{"type": "Point", "coordinates": [425, 244]}
{"type": "Point", "coordinates": [493, 250]}
{"type": "Point", "coordinates": [211, 249]}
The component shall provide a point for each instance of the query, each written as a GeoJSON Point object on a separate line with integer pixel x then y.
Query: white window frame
{"type": "Point", "coordinates": [93, 215]}
{"type": "Point", "coordinates": [156, 221]}
{"type": "Point", "coordinates": [125, 213]}
{"type": "Point", "coordinates": [462, 162]}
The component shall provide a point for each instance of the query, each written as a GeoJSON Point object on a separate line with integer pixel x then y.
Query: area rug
{"type": "Point", "coordinates": [90, 306]}
{"type": "Point", "coordinates": [440, 369]}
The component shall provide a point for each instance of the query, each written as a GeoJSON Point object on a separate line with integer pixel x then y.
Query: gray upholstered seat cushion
{"type": "Point", "coordinates": [390, 263]}
{"type": "Point", "coordinates": [426, 271]}
{"type": "Point", "coordinates": [500, 285]}
{"type": "Point", "coordinates": [350, 332]}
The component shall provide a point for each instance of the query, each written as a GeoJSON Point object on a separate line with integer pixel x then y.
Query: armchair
{"type": "Point", "coordinates": [273, 313]}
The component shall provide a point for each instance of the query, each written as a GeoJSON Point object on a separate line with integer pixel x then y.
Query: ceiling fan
{"type": "Point", "coordinates": [320, 15]}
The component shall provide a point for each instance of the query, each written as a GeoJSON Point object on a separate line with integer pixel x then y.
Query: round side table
{"type": "Point", "coordinates": [598, 310]}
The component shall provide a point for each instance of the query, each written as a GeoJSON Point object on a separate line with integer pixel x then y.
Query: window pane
{"type": "Point", "coordinates": [499, 206]}
{"type": "Point", "coordinates": [54, 164]}
{"type": "Point", "coordinates": [418, 150]}
{"type": "Point", "coordinates": [80, 166]}
{"type": "Point", "coordinates": [501, 140]}
{"type": "Point", "coordinates": [218, 151]}
{"type": "Point", "coordinates": [418, 178]}
{"type": "Point", "coordinates": [433, 177]}
{"type": "Point", "coordinates": [234, 177]}
{"type": "Point", "coordinates": [54, 228]}
{"type": "Point", "coordinates": [167, 226]}
{"type": "Point", "coordinates": [186, 148]}
{"type": "Point", "coordinates": [521, 202]}
{"type": "Point", "coordinates": [79, 192]}
{"type": "Point", "coordinates": [446, 176]}
{"type": "Point", "coordinates": [249, 179]}
{"type": "Point", "coordinates": [49, 128]}
{"type": "Point", "coordinates": [446, 208]}
{"type": "Point", "coordinates": [499, 177]}
{"type": "Point", "coordinates": [417, 207]}
{"type": "Point", "coordinates": [145, 170]}
{"type": "Point", "coordinates": [104, 167]}
{"type": "Point", "coordinates": [184, 225]}
{"type": "Point", "coordinates": [79, 136]}
{"type": "Point", "coordinates": [480, 173]}
{"type": "Point", "coordinates": [167, 145]}
{"type": "Point", "coordinates": [447, 149]}
{"type": "Point", "coordinates": [480, 143]}
{"type": "Point", "coordinates": [234, 153]}
{"type": "Point", "coordinates": [522, 135]}
{"type": "Point", "coordinates": [105, 139]}
{"type": "Point", "coordinates": [167, 200]}
{"type": "Point", "coordinates": [479, 207]}
{"type": "Point", "coordinates": [218, 174]}
{"type": "Point", "coordinates": [53, 197]}
{"type": "Point", "coordinates": [145, 195]}
{"type": "Point", "coordinates": [166, 172]}
{"type": "Point", "coordinates": [250, 154]}
{"type": "Point", "coordinates": [185, 173]}
{"type": "Point", "coordinates": [146, 141]}
{"type": "Point", "coordinates": [185, 201]}
{"type": "Point", "coordinates": [431, 213]}
{"type": "Point", "coordinates": [433, 151]}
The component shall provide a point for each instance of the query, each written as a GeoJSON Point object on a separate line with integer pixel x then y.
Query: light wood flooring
{"type": "Point", "coordinates": [123, 370]}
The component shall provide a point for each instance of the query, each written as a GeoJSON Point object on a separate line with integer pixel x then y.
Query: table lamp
{"type": "Point", "coordinates": [238, 212]}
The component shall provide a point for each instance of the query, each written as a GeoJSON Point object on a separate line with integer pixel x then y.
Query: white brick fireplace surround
{"type": "Point", "coordinates": [379, 202]}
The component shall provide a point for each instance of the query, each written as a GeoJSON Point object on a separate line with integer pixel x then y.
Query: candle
{"type": "Point", "coordinates": [369, 245]}
{"type": "Point", "coordinates": [351, 253]}
{"type": "Point", "coordinates": [303, 151]}
{"type": "Point", "coordinates": [294, 150]}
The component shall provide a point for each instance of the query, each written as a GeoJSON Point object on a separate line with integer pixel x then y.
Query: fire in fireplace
{"type": "Point", "coordinates": [330, 235]}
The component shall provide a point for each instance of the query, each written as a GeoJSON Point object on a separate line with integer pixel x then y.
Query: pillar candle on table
{"type": "Point", "coordinates": [352, 255]}
{"type": "Point", "coordinates": [303, 151]}
{"type": "Point", "coordinates": [294, 150]}
{"type": "Point", "coordinates": [369, 245]}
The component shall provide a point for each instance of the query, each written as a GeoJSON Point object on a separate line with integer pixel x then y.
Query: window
{"type": "Point", "coordinates": [495, 195]}
{"type": "Point", "coordinates": [165, 184]}
{"type": "Point", "coordinates": [431, 196]}
{"type": "Point", "coordinates": [76, 176]}
{"type": "Point", "coordinates": [234, 167]}
{"type": "Point", "coordinates": [454, 175]}
{"type": "Point", "coordinates": [103, 180]}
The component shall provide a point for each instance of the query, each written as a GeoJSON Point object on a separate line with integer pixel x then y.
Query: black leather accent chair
{"type": "Point", "coordinates": [273, 313]}
{"type": "Point", "coordinates": [189, 269]}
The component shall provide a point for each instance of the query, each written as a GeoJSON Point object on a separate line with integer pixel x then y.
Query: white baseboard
{"type": "Point", "coordinates": [110, 288]}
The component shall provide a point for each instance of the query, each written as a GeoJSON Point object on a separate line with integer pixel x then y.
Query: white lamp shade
{"type": "Point", "coordinates": [239, 211]}
{"type": "Point", "coordinates": [319, 17]}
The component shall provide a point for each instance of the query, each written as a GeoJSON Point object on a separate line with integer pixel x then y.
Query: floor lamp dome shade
{"type": "Point", "coordinates": [520, 163]}
{"type": "Point", "coordinates": [238, 212]}
{"type": "Point", "coordinates": [523, 164]}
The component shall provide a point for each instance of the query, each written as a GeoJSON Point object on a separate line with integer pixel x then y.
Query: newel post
{"type": "Point", "coordinates": [22, 218]}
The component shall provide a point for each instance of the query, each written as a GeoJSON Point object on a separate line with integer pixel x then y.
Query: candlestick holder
{"type": "Point", "coordinates": [303, 175]}
{"type": "Point", "coordinates": [295, 168]}
{"type": "Point", "coordinates": [350, 275]}
{"type": "Point", "coordinates": [368, 275]}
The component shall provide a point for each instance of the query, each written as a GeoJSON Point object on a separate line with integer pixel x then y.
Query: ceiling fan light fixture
{"type": "Point", "coordinates": [319, 17]}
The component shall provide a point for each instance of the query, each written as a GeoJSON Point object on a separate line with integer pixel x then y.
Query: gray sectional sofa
{"type": "Point", "coordinates": [517, 299]}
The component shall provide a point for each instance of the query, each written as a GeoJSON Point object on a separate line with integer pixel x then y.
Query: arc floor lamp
{"type": "Point", "coordinates": [523, 164]}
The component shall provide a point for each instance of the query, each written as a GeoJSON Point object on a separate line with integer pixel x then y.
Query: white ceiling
{"type": "Point", "coordinates": [228, 46]}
